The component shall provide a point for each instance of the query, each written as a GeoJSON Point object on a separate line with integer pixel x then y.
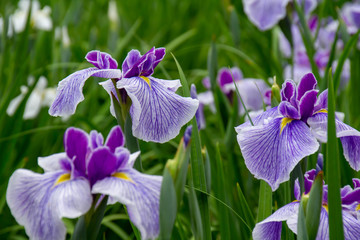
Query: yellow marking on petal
{"type": "Point", "coordinates": [147, 80]}
{"type": "Point", "coordinates": [322, 111]}
{"type": "Point", "coordinates": [63, 178]}
{"type": "Point", "coordinates": [326, 207]}
{"type": "Point", "coordinates": [122, 175]}
{"type": "Point", "coordinates": [357, 207]}
{"type": "Point", "coordinates": [284, 122]}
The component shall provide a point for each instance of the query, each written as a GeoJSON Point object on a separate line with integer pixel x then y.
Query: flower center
{"type": "Point", "coordinates": [63, 178]}
{"type": "Point", "coordinates": [147, 80]}
{"type": "Point", "coordinates": [284, 122]}
{"type": "Point", "coordinates": [122, 175]}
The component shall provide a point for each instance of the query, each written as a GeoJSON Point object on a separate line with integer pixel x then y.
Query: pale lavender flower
{"type": "Point", "coordinates": [270, 228]}
{"type": "Point", "coordinates": [284, 135]}
{"type": "Point", "coordinates": [157, 112]}
{"type": "Point", "coordinates": [266, 13]}
{"type": "Point", "coordinates": [87, 167]}
{"type": "Point", "coordinates": [252, 91]}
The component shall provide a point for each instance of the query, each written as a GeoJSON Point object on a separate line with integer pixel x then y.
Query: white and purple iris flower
{"type": "Point", "coordinates": [270, 228]}
{"type": "Point", "coordinates": [283, 135]}
{"type": "Point", "coordinates": [266, 13]}
{"type": "Point", "coordinates": [66, 189]}
{"type": "Point", "coordinates": [157, 112]}
{"type": "Point", "coordinates": [252, 90]}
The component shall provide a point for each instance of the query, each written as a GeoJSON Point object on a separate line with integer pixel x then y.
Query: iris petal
{"type": "Point", "coordinates": [265, 14]}
{"type": "Point", "coordinates": [140, 193]}
{"type": "Point", "coordinates": [69, 92]}
{"type": "Point", "coordinates": [157, 112]}
{"type": "Point", "coordinates": [38, 204]}
{"type": "Point", "coordinates": [271, 156]}
{"type": "Point", "coordinates": [270, 228]}
{"type": "Point", "coordinates": [350, 137]}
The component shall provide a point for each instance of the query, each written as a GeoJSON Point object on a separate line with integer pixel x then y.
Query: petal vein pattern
{"type": "Point", "coordinates": [157, 112]}
{"type": "Point", "coordinates": [271, 156]}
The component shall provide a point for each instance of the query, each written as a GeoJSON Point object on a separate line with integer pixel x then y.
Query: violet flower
{"type": "Point", "coordinates": [266, 13]}
{"type": "Point", "coordinates": [87, 167]}
{"type": "Point", "coordinates": [284, 135]}
{"type": "Point", "coordinates": [157, 112]}
{"type": "Point", "coordinates": [270, 228]}
{"type": "Point", "coordinates": [252, 91]}
{"type": "Point", "coordinates": [69, 92]}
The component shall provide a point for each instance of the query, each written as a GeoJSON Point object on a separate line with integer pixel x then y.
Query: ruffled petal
{"type": "Point", "coordinates": [261, 119]}
{"type": "Point", "coordinates": [53, 162]}
{"type": "Point", "coordinates": [39, 201]}
{"type": "Point", "coordinates": [102, 163]}
{"type": "Point", "coordinates": [69, 92]}
{"type": "Point", "coordinates": [101, 60]}
{"type": "Point", "coordinates": [288, 90]}
{"type": "Point", "coordinates": [271, 151]}
{"type": "Point", "coordinates": [307, 83]}
{"type": "Point", "coordinates": [76, 143]}
{"type": "Point", "coordinates": [111, 90]}
{"type": "Point", "coordinates": [321, 102]}
{"type": "Point", "coordinates": [288, 110]}
{"type": "Point", "coordinates": [265, 14]}
{"type": "Point", "coordinates": [140, 193]}
{"type": "Point", "coordinates": [270, 228]}
{"type": "Point", "coordinates": [351, 225]}
{"type": "Point", "coordinates": [115, 138]}
{"type": "Point", "coordinates": [306, 105]}
{"type": "Point", "coordinates": [350, 137]}
{"type": "Point", "coordinates": [157, 112]}
{"type": "Point", "coordinates": [323, 230]}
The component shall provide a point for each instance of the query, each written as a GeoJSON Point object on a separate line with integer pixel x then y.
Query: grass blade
{"type": "Point", "coordinates": [168, 206]}
{"type": "Point", "coordinates": [336, 230]}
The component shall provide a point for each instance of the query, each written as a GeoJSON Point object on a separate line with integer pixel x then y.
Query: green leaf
{"type": "Point", "coordinates": [245, 211]}
{"type": "Point", "coordinates": [184, 83]}
{"type": "Point", "coordinates": [301, 222]}
{"type": "Point", "coordinates": [234, 25]}
{"type": "Point", "coordinates": [353, 89]}
{"type": "Point", "coordinates": [168, 206]}
{"type": "Point", "coordinates": [132, 142]}
{"type": "Point", "coordinates": [197, 164]}
{"type": "Point", "coordinates": [221, 193]}
{"type": "Point", "coordinates": [336, 230]}
{"type": "Point", "coordinates": [195, 215]}
{"type": "Point", "coordinates": [265, 201]}
{"type": "Point", "coordinates": [314, 205]}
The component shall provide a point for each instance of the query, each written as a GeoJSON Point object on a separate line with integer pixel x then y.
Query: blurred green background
{"type": "Point", "coordinates": [185, 28]}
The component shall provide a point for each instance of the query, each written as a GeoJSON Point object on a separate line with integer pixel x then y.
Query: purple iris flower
{"type": "Point", "coordinates": [252, 91]}
{"type": "Point", "coordinates": [69, 92]}
{"type": "Point", "coordinates": [270, 228]}
{"type": "Point", "coordinates": [266, 13]}
{"type": "Point", "coordinates": [285, 134]}
{"type": "Point", "coordinates": [351, 16]}
{"type": "Point", "coordinates": [87, 167]}
{"type": "Point", "coordinates": [157, 112]}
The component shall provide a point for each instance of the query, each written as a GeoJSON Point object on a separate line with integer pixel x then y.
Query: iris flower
{"type": "Point", "coordinates": [87, 167]}
{"type": "Point", "coordinates": [157, 112]}
{"type": "Point", "coordinates": [270, 228]}
{"type": "Point", "coordinates": [284, 135]}
{"type": "Point", "coordinates": [266, 13]}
